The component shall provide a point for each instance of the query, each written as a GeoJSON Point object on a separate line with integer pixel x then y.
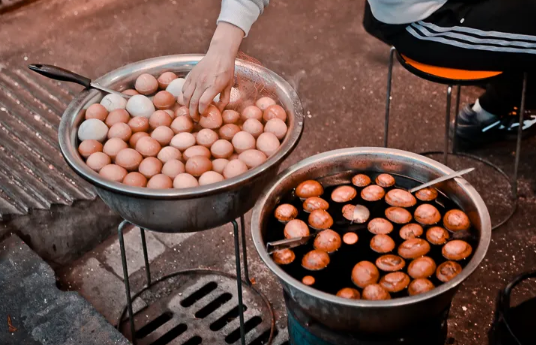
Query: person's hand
{"type": "Point", "coordinates": [214, 74]}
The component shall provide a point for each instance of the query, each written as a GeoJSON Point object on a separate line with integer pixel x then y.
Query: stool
{"type": "Point", "coordinates": [456, 77]}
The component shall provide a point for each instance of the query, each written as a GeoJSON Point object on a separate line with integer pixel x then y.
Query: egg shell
{"type": "Point", "coordinates": [274, 112]}
{"type": "Point", "coordinates": [173, 167]}
{"type": "Point", "coordinates": [195, 151]}
{"type": "Point", "coordinates": [175, 87]}
{"type": "Point", "coordinates": [253, 127]}
{"type": "Point", "coordinates": [171, 113]}
{"type": "Point", "coordinates": [135, 137]}
{"type": "Point", "coordinates": [163, 100]}
{"type": "Point", "coordinates": [87, 147]}
{"type": "Point", "coordinates": [197, 165]}
{"type": "Point", "coordinates": [130, 92]}
{"type": "Point", "coordinates": [182, 124]}
{"type": "Point", "coordinates": [113, 146]}
{"type": "Point", "coordinates": [129, 159]}
{"type": "Point", "coordinates": [135, 179]}
{"type": "Point", "coordinates": [163, 135]}
{"type": "Point", "coordinates": [182, 141]}
{"type": "Point", "coordinates": [113, 172]}
{"type": "Point", "coordinates": [96, 111]}
{"type": "Point", "coordinates": [98, 160]}
{"type": "Point", "coordinates": [139, 105]}
{"type": "Point", "coordinates": [182, 111]}
{"type": "Point", "coordinates": [218, 165]}
{"type": "Point", "coordinates": [268, 143]}
{"type": "Point", "coordinates": [139, 124]}
{"type": "Point", "coordinates": [165, 78]}
{"type": "Point", "coordinates": [148, 147]}
{"type": "Point", "coordinates": [160, 118]}
{"type": "Point", "coordinates": [210, 177]}
{"type": "Point", "coordinates": [160, 181]}
{"type": "Point", "coordinates": [120, 130]}
{"type": "Point", "coordinates": [117, 116]}
{"type": "Point", "coordinates": [150, 166]}
{"type": "Point", "coordinates": [228, 131]}
{"type": "Point", "coordinates": [243, 141]}
{"type": "Point", "coordinates": [168, 153]}
{"type": "Point", "coordinates": [206, 137]}
{"type": "Point", "coordinates": [277, 127]}
{"type": "Point", "coordinates": [264, 102]}
{"type": "Point", "coordinates": [251, 112]}
{"type": "Point", "coordinates": [113, 101]}
{"type": "Point", "coordinates": [92, 129]}
{"type": "Point", "coordinates": [146, 84]}
{"type": "Point", "coordinates": [230, 116]}
{"type": "Point", "coordinates": [252, 158]}
{"type": "Point", "coordinates": [233, 156]}
{"type": "Point", "coordinates": [211, 118]}
{"type": "Point", "coordinates": [185, 181]}
{"type": "Point", "coordinates": [222, 149]}
{"type": "Point", "coordinates": [234, 168]}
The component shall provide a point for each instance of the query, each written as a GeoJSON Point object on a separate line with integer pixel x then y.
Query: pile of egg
{"type": "Point", "coordinates": [150, 140]}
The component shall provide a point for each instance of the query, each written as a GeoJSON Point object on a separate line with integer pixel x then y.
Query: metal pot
{"type": "Point", "coordinates": [361, 315]}
{"type": "Point", "coordinates": [191, 209]}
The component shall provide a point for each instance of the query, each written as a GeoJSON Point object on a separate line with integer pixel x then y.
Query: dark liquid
{"type": "Point", "coordinates": [337, 274]}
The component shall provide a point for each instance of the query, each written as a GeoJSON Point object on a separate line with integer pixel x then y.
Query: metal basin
{"type": "Point", "coordinates": [191, 209]}
{"type": "Point", "coordinates": [361, 315]}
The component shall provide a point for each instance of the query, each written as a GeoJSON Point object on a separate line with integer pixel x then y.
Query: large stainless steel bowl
{"type": "Point", "coordinates": [360, 315]}
{"type": "Point", "coordinates": [191, 209]}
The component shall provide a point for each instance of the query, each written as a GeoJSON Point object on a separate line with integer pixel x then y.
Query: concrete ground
{"type": "Point", "coordinates": [341, 75]}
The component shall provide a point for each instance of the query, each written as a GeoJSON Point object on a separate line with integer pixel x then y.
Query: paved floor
{"type": "Point", "coordinates": [341, 73]}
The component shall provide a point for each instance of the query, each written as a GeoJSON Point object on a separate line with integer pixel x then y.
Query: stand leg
{"type": "Point", "coordinates": [145, 257]}
{"type": "Point", "coordinates": [456, 118]}
{"type": "Point", "coordinates": [125, 277]}
{"type": "Point", "coordinates": [244, 249]}
{"type": "Point", "coordinates": [519, 135]}
{"type": "Point", "coordinates": [239, 283]}
{"type": "Point", "coordinates": [388, 100]}
{"type": "Point", "coordinates": [447, 123]}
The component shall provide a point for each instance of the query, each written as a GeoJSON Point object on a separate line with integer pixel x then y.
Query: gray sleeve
{"type": "Point", "coordinates": [241, 13]}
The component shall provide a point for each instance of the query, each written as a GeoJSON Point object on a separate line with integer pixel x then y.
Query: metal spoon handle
{"type": "Point", "coordinates": [441, 179]}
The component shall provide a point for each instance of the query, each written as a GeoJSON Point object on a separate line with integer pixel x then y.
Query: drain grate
{"type": "Point", "coordinates": [203, 309]}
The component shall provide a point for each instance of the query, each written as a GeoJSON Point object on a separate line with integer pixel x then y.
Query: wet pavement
{"type": "Point", "coordinates": [340, 71]}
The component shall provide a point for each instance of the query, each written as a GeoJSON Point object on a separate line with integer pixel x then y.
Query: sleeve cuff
{"type": "Point", "coordinates": [239, 13]}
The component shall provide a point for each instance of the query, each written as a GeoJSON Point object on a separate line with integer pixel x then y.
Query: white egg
{"type": "Point", "coordinates": [175, 87]}
{"type": "Point", "coordinates": [93, 129]}
{"type": "Point", "coordinates": [140, 105]}
{"type": "Point", "coordinates": [112, 101]}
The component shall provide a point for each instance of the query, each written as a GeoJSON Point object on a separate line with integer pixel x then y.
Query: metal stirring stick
{"type": "Point", "coordinates": [441, 179]}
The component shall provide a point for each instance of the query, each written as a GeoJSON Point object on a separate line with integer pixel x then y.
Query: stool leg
{"type": "Point", "coordinates": [388, 100]}
{"type": "Point", "coordinates": [447, 122]}
{"type": "Point", "coordinates": [519, 134]}
{"type": "Point", "coordinates": [456, 118]}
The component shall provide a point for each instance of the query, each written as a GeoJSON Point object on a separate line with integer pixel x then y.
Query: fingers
{"type": "Point", "coordinates": [225, 97]}
{"type": "Point", "coordinates": [206, 98]}
{"type": "Point", "coordinates": [194, 100]}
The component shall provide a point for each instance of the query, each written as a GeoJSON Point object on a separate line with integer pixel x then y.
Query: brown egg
{"type": "Point", "coordinates": [361, 180]}
{"type": "Point", "coordinates": [233, 157]}
{"type": "Point", "coordinates": [166, 78]}
{"type": "Point", "coordinates": [448, 270]}
{"type": "Point", "coordinates": [243, 141]}
{"type": "Point", "coordinates": [296, 228]}
{"type": "Point", "coordinates": [113, 172]}
{"type": "Point", "coordinates": [343, 194]}
{"type": "Point", "coordinates": [427, 214]}
{"type": "Point", "coordinates": [395, 281]}
{"type": "Point", "coordinates": [380, 226]}
{"type": "Point", "coordinates": [285, 213]}
{"type": "Point", "coordinates": [264, 102]}
{"type": "Point", "coordinates": [348, 293]}
{"type": "Point", "coordinates": [97, 160]}
{"type": "Point", "coordinates": [426, 194]}
{"type": "Point", "coordinates": [411, 231]}
{"type": "Point", "coordinates": [422, 267]}
{"type": "Point", "coordinates": [197, 165]}
{"type": "Point", "coordinates": [372, 193]}
{"type": "Point", "coordinates": [437, 235]}
{"type": "Point", "coordinates": [211, 118]}
{"type": "Point", "coordinates": [365, 273]}
{"type": "Point", "coordinates": [457, 250]}
{"type": "Point", "coordinates": [228, 131]}
{"type": "Point", "coordinates": [308, 280]}
{"type": "Point", "coordinates": [182, 124]}
{"type": "Point", "coordinates": [139, 124]}
{"type": "Point", "coordinates": [253, 127]}
{"type": "Point", "coordinates": [309, 189]}
{"type": "Point", "coordinates": [327, 240]}
{"type": "Point", "coordinates": [171, 113]}
{"type": "Point", "coordinates": [120, 130]}
{"type": "Point", "coordinates": [207, 137]}
{"type": "Point", "coordinates": [148, 147]}
{"type": "Point", "coordinates": [160, 118]}
{"type": "Point", "coordinates": [350, 238]}
{"type": "Point", "coordinates": [315, 260]}
{"type": "Point", "coordinates": [150, 166]}
{"type": "Point", "coordinates": [413, 248]}
{"type": "Point", "coordinates": [220, 148]}
{"type": "Point", "coordinates": [173, 167]}
{"type": "Point", "coordinates": [252, 158]}
{"type": "Point", "coordinates": [284, 256]}
{"type": "Point", "coordinates": [218, 165]}
{"type": "Point", "coordinates": [129, 159]}
{"type": "Point", "coordinates": [234, 168]}
{"type": "Point", "coordinates": [356, 213]}
{"type": "Point", "coordinates": [185, 181]}
{"type": "Point", "coordinates": [398, 215]}
{"type": "Point", "coordinates": [135, 179]}
{"type": "Point", "coordinates": [89, 146]}
{"type": "Point", "coordinates": [385, 180]}
{"type": "Point", "coordinates": [146, 84]}
{"type": "Point", "coordinates": [382, 244]}
{"type": "Point", "coordinates": [130, 92]}
{"type": "Point", "coordinates": [113, 146]}
{"type": "Point", "coordinates": [163, 100]}
{"type": "Point", "coordinates": [116, 116]}
{"type": "Point", "coordinates": [195, 151]}
{"type": "Point", "coordinates": [456, 220]}
{"type": "Point", "coordinates": [320, 220]}
{"type": "Point", "coordinates": [135, 137]}
{"type": "Point", "coordinates": [160, 181]}
{"type": "Point", "coordinates": [274, 112]}
{"type": "Point", "coordinates": [390, 263]}
{"type": "Point", "coordinates": [163, 135]}
{"type": "Point", "coordinates": [315, 203]}
{"type": "Point", "coordinates": [251, 112]}
{"type": "Point", "coordinates": [400, 198]}
{"type": "Point", "coordinates": [210, 177]}
{"type": "Point", "coordinates": [168, 153]}
{"type": "Point", "coordinates": [375, 292]}
{"type": "Point", "coordinates": [182, 111]}
{"type": "Point", "coordinates": [230, 116]}
{"type": "Point", "coordinates": [96, 111]}
{"type": "Point", "coordinates": [277, 127]}
{"type": "Point", "coordinates": [268, 143]}
{"type": "Point", "coordinates": [183, 141]}
{"type": "Point", "coordinates": [419, 286]}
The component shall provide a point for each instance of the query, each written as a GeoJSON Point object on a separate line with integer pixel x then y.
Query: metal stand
{"type": "Point", "coordinates": [125, 224]}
